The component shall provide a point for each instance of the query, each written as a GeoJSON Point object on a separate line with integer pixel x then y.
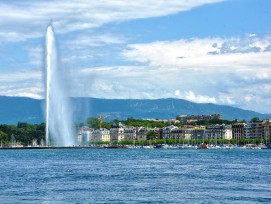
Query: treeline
{"type": "Point", "coordinates": [93, 122]}
{"type": "Point", "coordinates": [22, 133]}
{"type": "Point", "coordinates": [215, 121]}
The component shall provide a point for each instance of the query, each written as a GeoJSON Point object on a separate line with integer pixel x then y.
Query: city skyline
{"type": "Point", "coordinates": [206, 51]}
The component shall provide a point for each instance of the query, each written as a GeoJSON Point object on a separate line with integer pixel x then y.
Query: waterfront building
{"type": "Point", "coordinates": [218, 132]}
{"type": "Point", "coordinates": [214, 132]}
{"type": "Point", "coordinates": [227, 132]}
{"type": "Point", "coordinates": [256, 129]}
{"type": "Point", "coordinates": [171, 132]}
{"type": "Point", "coordinates": [130, 133]}
{"type": "Point", "coordinates": [176, 133]}
{"type": "Point", "coordinates": [247, 130]}
{"type": "Point", "coordinates": [238, 131]}
{"type": "Point", "coordinates": [166, 133]}
{"type": "Point", "coordinates": [187, 132]}
{"type": "Point", "coordinates": [105, 135]}
{"type": "Point", "coordinates": [116, 132]}
{"type": "Point", "coordinates": [158, 133]}
{"type": "Point", "coordinates": [198, 133]}
{"type": "Point", "coordinates": [101, 135]}
{"type": "Point", "coordinates": [170, 121]}
{"type": "Point", "coordinates": [267, 130]}
{"type": "Point", "coordinates": [141, 133]}
{"type": "Point", "coordinates": [194, 118]}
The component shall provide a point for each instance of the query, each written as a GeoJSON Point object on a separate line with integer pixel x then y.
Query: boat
{"type": "Point", "coordinates": [203, 146]}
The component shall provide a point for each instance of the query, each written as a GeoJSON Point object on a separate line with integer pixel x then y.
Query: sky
{"type": "Point", "coordinates": [204, 51]}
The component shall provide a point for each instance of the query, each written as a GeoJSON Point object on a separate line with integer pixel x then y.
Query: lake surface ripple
{"type": "Point", "coordinates": [135, 176]}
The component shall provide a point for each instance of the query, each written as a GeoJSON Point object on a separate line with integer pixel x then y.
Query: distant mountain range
{"type": "Point", "coordinates": [21, 109]}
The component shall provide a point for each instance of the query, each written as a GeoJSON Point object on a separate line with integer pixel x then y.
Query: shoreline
{"type": "Point", "coordinates": [69, 147]}
{"type": "Point", "coordinates": [75, 147]}
{"type": "Point", "coordinates": [140, 147]}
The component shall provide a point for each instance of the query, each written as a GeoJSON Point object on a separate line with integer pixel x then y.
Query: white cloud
{"type": "Point", "coordinates": [90, 46]}
{"type": "Point", "coordinates": [226, 99]}
{"type": "Point", "coordinates": [22, 92]}
{"type": "Point", "coordinates": [28, 84]}
{"type": "Point", "coordinates": [135, 82]}
{"type": "Point", "coordinates": [195, 53]}
{"type": "Point", "coordinates": [191, 96]}
{"type": "Point", "coordinates": [178, 94]}
{"type": "Point", "coordinates": [20, 76]}
{"type": "Point", "coordinates": [223, 78]}
{"type": "Point", "coordinates": [27, 19]}
{"type": "Point", "coordinates": [94, 40]}
{"type": "Point", "coordinates": [34, 54]}
{"type": "Point", "coordinates": [197, 76]}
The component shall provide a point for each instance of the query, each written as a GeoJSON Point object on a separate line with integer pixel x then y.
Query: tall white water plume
{"type": "Point", "coordinates": [59, 127]}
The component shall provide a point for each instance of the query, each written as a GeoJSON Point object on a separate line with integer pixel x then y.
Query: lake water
{"type": "Point", "coordinates": [135, 176]}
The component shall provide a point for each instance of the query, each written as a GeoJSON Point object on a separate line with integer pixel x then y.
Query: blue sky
{"type": "Point", "coordinates": [216, 51]}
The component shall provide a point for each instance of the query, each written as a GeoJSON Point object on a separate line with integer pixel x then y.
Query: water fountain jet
{"type": "Point", "coordinates": [59, 131]}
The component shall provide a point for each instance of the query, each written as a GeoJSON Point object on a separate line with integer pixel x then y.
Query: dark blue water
{"type": "Point", "coordinates": [135, 176]}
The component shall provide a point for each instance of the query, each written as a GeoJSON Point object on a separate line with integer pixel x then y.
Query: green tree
{"type": "Point", "coordinates": [150, 135]}
{"type": "Point", "coordinates": [3, 138]}
{"type": "Point", "coordinates": [106, 125]}
{"type": "Point", "coordinates": [255, 119]}
{"type": "Point", "coordinates": [93, 123]}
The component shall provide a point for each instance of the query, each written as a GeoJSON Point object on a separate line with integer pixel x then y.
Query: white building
{"type": "Point", "coordinates": [101, 135]}
{"type": "Point", "coordinates": [218, 132]}
{"type": "Point", "coordinates": [227, 132]}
